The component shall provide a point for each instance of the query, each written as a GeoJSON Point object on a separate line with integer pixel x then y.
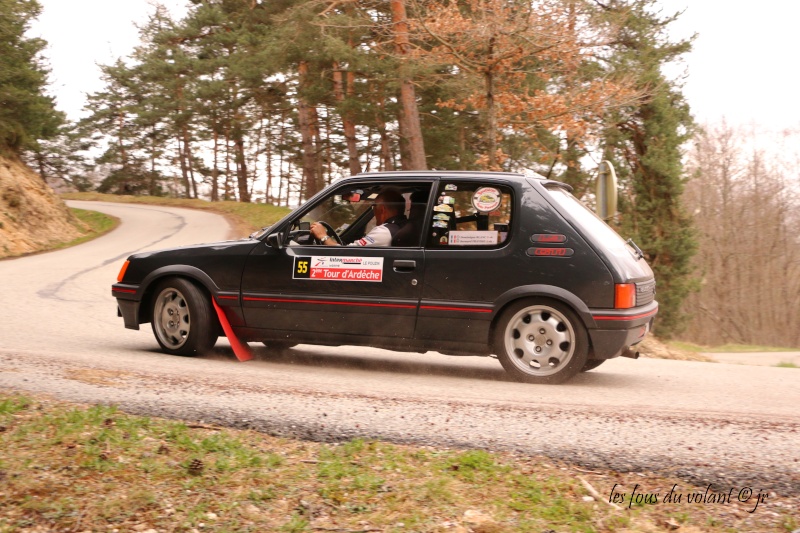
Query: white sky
{"type": "Point", "coordinates": [84, 33]}
{"type": "Point", "coordinates": [741, 68]}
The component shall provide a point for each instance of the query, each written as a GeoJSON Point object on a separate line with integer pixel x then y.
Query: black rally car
{"type": "Point", "coordinates": [486, 263]}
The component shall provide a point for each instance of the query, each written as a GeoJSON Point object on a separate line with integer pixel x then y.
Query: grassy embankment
{"type": "Point", "coordinates": [72, 468]}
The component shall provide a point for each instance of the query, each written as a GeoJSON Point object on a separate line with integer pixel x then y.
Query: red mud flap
{"type": "Point", "coordinates": [240, 349]}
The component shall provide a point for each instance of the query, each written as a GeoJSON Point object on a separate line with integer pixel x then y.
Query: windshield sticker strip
{"type": "Point", "coordinates": [331, 268]}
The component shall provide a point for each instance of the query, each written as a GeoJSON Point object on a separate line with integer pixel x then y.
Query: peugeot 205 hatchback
{"type": "Point", "coordinates": [480, 263]}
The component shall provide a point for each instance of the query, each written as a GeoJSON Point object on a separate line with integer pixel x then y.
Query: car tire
{"type": "Point", "coordinates": [591, 364]}
{"type": "Point", "coordinates": [541, 341]}
{"type": "Point", "coordinates": [183, 321]}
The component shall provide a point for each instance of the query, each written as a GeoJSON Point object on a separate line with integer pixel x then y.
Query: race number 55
{"type": "Point", "coordinates": [301, 267]}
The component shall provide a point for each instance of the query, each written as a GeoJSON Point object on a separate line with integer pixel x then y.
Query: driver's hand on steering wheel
{"type": "Point", "coordinates": [321, 234]}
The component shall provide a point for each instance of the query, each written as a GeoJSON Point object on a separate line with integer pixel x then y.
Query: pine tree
{"type": "Point", "coordinates": [645, 142]}
{"type": "Point", "coordinates": [26, 113]}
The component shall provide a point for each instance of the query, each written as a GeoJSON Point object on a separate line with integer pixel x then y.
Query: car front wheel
{"type": "Point", "coordinates": [541, 341]}
{"type": "Point", "coordinates": [183, 323]}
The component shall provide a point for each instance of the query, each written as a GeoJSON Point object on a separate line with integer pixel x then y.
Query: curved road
{"type": "Point", "coordinates": [731, 425]}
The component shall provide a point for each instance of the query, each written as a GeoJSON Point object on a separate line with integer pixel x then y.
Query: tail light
{"type": "Point", "coordinates": [624, 295]}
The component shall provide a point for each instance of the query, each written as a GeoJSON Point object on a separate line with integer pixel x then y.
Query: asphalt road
{"type": "Point", "coordinates": [728, 424]}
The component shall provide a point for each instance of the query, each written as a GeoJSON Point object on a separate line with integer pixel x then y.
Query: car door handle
{"type": "Point", "coordinates": [404, 265]}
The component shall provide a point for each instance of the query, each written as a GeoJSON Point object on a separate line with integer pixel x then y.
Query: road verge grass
{"type": "Point", "coordinates": [95, 224]}
{"type": "Point", "coordinates": [65, 467]}
{"type": "Point", "coordinates": [727, 348]}
{"type": "Point", "coordinates": [243, 217]}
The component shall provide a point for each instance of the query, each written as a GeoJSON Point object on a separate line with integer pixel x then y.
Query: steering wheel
{"type": "Point", "coordinates": [331, 233]}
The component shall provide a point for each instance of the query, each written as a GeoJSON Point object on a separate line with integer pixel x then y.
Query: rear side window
{"type": "Point", "coordinates": [470, 214]}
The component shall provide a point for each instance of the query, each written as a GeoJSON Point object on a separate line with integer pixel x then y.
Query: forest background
{"type": "Point", "coordinates": [270, 101]}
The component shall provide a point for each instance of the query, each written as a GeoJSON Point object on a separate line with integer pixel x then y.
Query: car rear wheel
{"type": "Point", "coordinates": [183, 323]}
{"type": "Point", "coordinates": [541, 341]}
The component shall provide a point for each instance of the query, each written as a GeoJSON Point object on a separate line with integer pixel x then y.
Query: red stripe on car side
{"type": "Point", "coordinates": [129, 291]}
{"type": "Point", "coordinates": [464, 309]}
{"type": "Point", "coordinates": [326, 302]}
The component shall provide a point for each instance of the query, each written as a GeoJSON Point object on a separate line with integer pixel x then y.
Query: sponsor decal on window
{"type": "Point", "coordinates": [334, 268]}
{"type": "Point", "coordinates": [486, 199]}
{"type": "Point", "coordinates": [472, 238]}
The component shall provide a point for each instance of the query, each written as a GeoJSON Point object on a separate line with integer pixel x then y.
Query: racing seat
{"type": "Point", "coordinates": [410, 233]}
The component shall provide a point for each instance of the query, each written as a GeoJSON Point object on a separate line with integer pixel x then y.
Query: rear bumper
{"type": "Point", "coordinates": [617, 330]}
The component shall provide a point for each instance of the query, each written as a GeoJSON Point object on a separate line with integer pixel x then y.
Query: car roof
{"type": "Point", "coordinates": [475, 175]}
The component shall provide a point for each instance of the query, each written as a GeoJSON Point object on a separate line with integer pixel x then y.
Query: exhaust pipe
{"type": "Point", "coordinates": [627, 352]}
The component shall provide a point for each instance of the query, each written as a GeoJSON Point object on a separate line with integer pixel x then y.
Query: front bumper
{"type": "Point", "coordinates": [128, 301]}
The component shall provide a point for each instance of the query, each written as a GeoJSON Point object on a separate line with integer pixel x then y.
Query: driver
{"type": "Point", "coordinates": [388, 210]}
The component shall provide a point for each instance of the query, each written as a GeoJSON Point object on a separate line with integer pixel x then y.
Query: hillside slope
{"type": "Point", "coordinates": [32, 216]}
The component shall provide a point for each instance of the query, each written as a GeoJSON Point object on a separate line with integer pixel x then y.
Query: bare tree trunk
{"type": "Point", "coordinates": [349, 126]}
{"type": "Point", "coordinates": [228, 189]}
{"type": "Point", "coordinates": [411, 131]}
{"type": "Point", "coordinates": [214, 169]}
{"type": "Point", "coordinates": [268, 164]}
{"type": "Point", "coordinates": [491, 115]}
{"type": "Point", "coordinates": [281, 159]}
{"type": "Point", "coordinates": [152, 182]}
{"type": "Point", "coordinates": [241, 168]}
{"type": "Point", "coordinates": [187, 148]}
{"type": "Point", "coordinates": [184, 169]}
{"type": "Point", "coordinates": [307, 117]}
{"type": "Point", "coordinates": [387, 162]}
{"type": "Point", "coordinates": [123, 152]}
{"type": "Point", "coordinates": [39, 158]}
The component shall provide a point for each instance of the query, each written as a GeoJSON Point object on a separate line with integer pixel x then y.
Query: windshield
{"type": "Point", "coordinates": [340, 210]}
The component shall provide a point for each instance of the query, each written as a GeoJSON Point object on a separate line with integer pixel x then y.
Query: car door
{"type": "Point", "coordinates": [468, 259]}
{"type": "Point", "coordinates": [331, 292]}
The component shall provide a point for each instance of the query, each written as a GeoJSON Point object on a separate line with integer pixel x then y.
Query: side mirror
{"type": "Point", "coordinates": [275, 240]}
{"type": "Point", "coordinates": [606, 191]}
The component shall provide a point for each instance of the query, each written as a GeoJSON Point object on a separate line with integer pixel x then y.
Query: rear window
{"type": "Point", "coordinates": [590, 224]}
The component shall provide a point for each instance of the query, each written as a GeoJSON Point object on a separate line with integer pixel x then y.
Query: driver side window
{"type": "Point", "coordinates": [348, 210]}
